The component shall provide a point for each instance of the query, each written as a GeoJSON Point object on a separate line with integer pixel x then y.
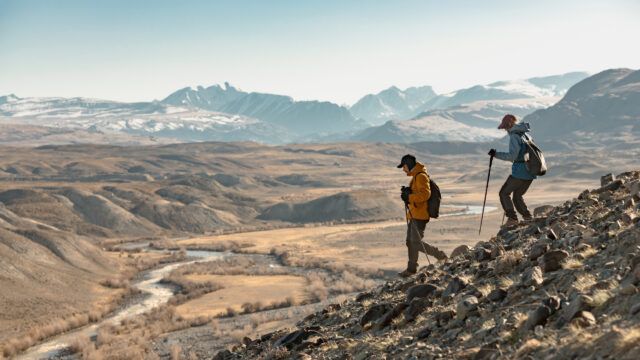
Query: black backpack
{"type": "Point", "coordinates": [433, 204]}
{"type": "Point", "coordinates": [533, 158]}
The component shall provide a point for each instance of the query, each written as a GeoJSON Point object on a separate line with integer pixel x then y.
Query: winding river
{"type": "Point", "coordinates": [150, 283]}
{"type": "Point", "coordinates": [158, 294]}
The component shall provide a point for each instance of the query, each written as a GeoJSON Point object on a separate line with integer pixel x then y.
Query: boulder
{"type": "Point", "coordinates": [542, 211]}
{"type": "Point", "coordinates": [374, 313]}
{"type": "Point", "coordinates": [538, 250]}
{"type": "Point", "coordinates": [415, 308]}
{"type": "Point", "coordinates": [579, 303]}
{"type": "Point", "coordinates": [497, 295]}
{"type": "Point", "coordinates": [584, 319]}
{"type": "Point", "coordinates": [532, 277]}
{"type": "Point", "coordinates": [553, 303]}
{"type": "Point", "coordinates": [467, 306]}
{"type": "Point", "coordinates": [421, 291]}
{"type": "Point", "coordinates": [461, 250]}
{"type": "Point", "coordinates": [296, 337]}
{"type": "Point", "coordinates": [445, 316]}
{"type": "Point", "coordinates": [423, 334]}
{"type": "Point", "coordinates": [387, 318]}
{"type": "Point", "coordinates": [536, 317]}
{"type": "Point", "coordinates": [607, 179]}
{"type": "Point", "coordinates": [455, 286]}
{"type": "Point", "coordinates": [483, 254]}
{"type": "Point", "coordinates": [553, 260]}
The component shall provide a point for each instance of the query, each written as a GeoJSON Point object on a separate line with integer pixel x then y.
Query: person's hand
{"type": "Point", "coordinates": [492, 152]}
{"type": "Point", "coordinates": [404, 194]}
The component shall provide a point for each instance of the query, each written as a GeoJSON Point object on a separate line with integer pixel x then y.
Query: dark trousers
{"type": "Point", "coordinates": [415, 233]}
{"type": "Point", "coordinates": [518, 188]}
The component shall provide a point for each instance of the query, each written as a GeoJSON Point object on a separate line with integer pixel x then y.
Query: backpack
{"type": "Point", "coordinates": [533, 158]}
{"type": "Point", "coordinates": [433, 204]}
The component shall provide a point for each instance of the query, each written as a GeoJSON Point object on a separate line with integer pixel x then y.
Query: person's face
{"type": "Point", "coordinates": [406, 169]}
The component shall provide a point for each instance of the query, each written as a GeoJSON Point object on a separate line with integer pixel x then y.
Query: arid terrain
{"type": "Point", "coordinates": [83, 226]}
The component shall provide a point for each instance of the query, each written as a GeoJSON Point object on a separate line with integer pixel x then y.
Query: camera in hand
{"type": "Point", "coordinates": [404, 193]}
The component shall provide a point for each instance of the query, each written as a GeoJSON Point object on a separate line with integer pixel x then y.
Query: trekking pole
{"type": "Point", "coordinates": [486, 189]}
{"type": "Point", "coordinates": [415, 227]}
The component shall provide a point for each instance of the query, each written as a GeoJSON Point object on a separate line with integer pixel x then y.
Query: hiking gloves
{"type": "Point", "coordinates": [492, 152]}
{"type": "Point", "coordinates": [404, 194]}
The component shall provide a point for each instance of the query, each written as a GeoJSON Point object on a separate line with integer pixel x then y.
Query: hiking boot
{"type": "Point", "coordinates": [407, 273]}
{"type": "Point", "coordinates": [511, 222]}
{"type": "Point", "coordinates": [527, 219]}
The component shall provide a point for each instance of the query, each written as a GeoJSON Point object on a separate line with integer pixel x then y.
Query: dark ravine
{"type": "Point", "coordinates": [563, 286]}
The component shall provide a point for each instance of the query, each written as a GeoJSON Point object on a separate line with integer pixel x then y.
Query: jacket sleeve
{"type": "Point", "coordinates": [514, 150]}
{"type": "Point", "coordinates": [423, 189]}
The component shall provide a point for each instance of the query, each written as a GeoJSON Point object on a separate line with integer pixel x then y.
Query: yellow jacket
{"type": "Point", "coordinates": [420, 193]}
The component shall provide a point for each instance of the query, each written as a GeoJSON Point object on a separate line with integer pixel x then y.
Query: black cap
{"type": "Point", "coordinates": [408, 160]}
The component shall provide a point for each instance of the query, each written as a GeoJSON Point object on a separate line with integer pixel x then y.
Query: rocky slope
{"type": "Point", "coordinates": [562, 286]}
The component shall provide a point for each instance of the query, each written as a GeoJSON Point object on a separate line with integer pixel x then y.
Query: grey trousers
{"type": "Point", "coordinates": [518, 188]}
{"type": "Point", "coordinates": [415, 233]}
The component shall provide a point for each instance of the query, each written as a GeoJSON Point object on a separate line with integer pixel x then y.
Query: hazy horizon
{"type": "Point", "coordinates": [328, 51]}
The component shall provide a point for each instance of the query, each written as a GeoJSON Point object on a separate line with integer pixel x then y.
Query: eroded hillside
{"type": "Point", "coordinates": [563, 286]}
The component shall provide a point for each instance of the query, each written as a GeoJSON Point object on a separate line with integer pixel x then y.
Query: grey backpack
{"type": "Point", "coordinates": [533, 157]}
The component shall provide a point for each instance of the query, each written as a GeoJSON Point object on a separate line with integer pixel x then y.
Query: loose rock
{"type": "Point", "coordinates": [375, 312]}
{"type": "Point", "coordinates": [497, 295]}
{"type": "Point", "coordinates": [421, 291]}
{"type": "Point", "coordinates": [553, 260]}
{"type": "Point", "coordinates": [455, 285]}
{"type": "Point", "coordinates": [532, 277]}
{"type": "Point", "coordinates": [467, 306]}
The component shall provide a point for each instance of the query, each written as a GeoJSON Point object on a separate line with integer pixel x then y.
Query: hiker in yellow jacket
{"type": "Point", "coordinates": [415, 197]}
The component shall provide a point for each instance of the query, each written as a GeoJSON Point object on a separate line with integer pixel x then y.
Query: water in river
{"type": "Point", "coordinates": [160, 293]}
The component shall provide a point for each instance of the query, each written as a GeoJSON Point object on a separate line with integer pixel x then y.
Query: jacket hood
{"type": "Point", "coordinates": [420, 167]}
{"type": "Point", "coordinates": [520, 128]}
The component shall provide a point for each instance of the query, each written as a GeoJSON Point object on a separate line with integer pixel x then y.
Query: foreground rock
{"type": "Point", "coordinates": [563, 286]}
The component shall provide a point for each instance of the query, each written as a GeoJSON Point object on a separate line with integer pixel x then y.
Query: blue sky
{"type": "Point", "coordinates": [327, 50]}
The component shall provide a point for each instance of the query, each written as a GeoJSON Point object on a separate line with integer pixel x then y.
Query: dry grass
{"type": "Point", "coordinates": [485, 289]}
{"type": "Point", "coordinates": [599, 298]}
{"type": "Point", "coordinates": [507, 281]}
{"type": "Point", "coordinates": [588, 252]}
{"type": "Point", "coordinates": [240, 292]}
{"type": "Point", "coordinates": [626, 343]}
{"type": "Point", "coordinates": [508, 261]}
{"type": "Point", "coordinates": [132, 338]}
{"type": "Point", "coordinates": [527, 348]}
{"type": "Point", "coordinates": [584, 282]}
{"type": "Point", "coordinates": [322, 284]}
{"type": "Point", "coordinates": [188, 289]}
{"type": "Point", "coordinates": [55, 327]}
{"type": "Point", "coordinates": [236, 265]}
{"type": "Point", "coordinates": [573, 264]}
{"type": "Point", "coordinates": [222, 246]}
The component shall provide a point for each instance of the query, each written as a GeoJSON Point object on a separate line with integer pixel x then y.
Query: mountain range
{"type": "Point", "coordinates": [553, 104]}
{"type": "Point", "coordinates": [605, 103]}
{"type": "Point", "coordinates": [396, 104]}
{"type": "Point", "coordinates": [300, 117]}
